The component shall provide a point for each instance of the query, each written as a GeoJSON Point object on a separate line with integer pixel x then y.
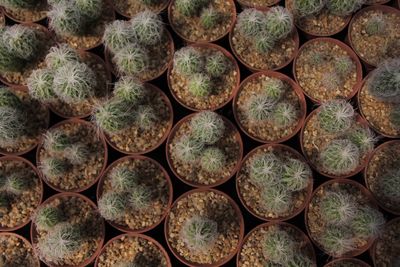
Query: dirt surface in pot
{"type": "Point", "coordinates": [132, 249]}
{"type": "Point", "coordinates": [376, 48]}
{"type": "Point", "coordinates": [153, 178]}
{"type": "Point", "coordinates": [78, 175]}
{"type": "Point", "coordinates": [191, 28]}
{"type": "Point", "coordinates": [322, 24]}
{"type": "Point", "coordinates": [258, 3]}
{"type": "Point", "coordinates": [78, 212]}
{"type": "Point", "coordinates": [132, 7]}
{"type": "Point", "coordinates": [251, 194]}
{"type": "Point", "coordinates": [265, 130]}
{"type": "Point", "coordinates": [38, 121]}
{"type": "Point", "coordinates": [137, 140]}
{"type": "Point", "coordinates": [216, 207]}
{"type": "Point", "coordinates": [251, 253]}
{"type": "Point", "coordinates": [316, 72]}
{"type": "Point", "coordinates": [23, 203]}
{"type": "Point", "coordinates": [192, 172]}
{"type": "Point", "coordinates": [387, 246]}
{"type": "Point", "coordinates": [382, 161]}
{"type": "Point", "coordinates": [16, 252]}
{"type": "Point", "coordinates": [376, 112]}
{"type": "Point", "coordinates": [29, 14]}
{"type": "Point", "coordinates": [102, 90]}
{"type": "Point", "coordinates": [346, 263]}
{"type": "Point", "coordinates": [223, 87]}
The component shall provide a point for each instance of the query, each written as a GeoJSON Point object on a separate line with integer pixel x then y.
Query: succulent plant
{"type": "Point", "coordinates": [213, 159]}
{"type": "Point", "coordinates": [200, 85]}
{"type": "Point", "coordinates": [217, 64]}
{"type": "Point", "coordinates": [4, 202]}
{"type": "Point", "coordinates": [40, 85]}
{"type": "Point", "coordinates": [263, 44]}
{"type": "Point", "coordinates": [368, 222]}
{"type": "Point", "coordinates": [376, 24]}
{"type": "Point", "coordinates": [145, 117]}
{"type": "Point", "coordinates": [264, 169]}
{"type": "Point", "coordinates": [16, 183]}
{"type": "Point", "coordinates": [296, 174]}
{"type": "Point", "coordinates": [77, 153]}
{"type": "Point", "coordinates": [47, 217]}
{"type": "Point", "coordinates": [208, 127]}
{"type": "Point", "coordinates": [210, 18]}
{"type": "Point", "coordinates": [113, 116]}
{"type": "Point", "coordinates": [344, 7]}
{"type": "Point", "coordinates": [132, 60]}
{"type": "Point", "coordinates": [340, 157]}
{"type": "Point", "coordinates": [17, 4]}
{"type": "Point", "coordinates": [123, 179]}
{"type": "Point", "coordinates": [331, 80]}
{"type": "Point", "coordinates": [53, 167]}
{"type": "Point", "coordinates": [60, 55]}
{"type": "Point", "coordinates": [394, 117]}
{"type": "Point", "coordinates": [285, 114]}
{"type": "Point", "coordinates": [65, 19]}
{"type": "Point", "coordinates": [389, 184]}
{"type": "Point", "coordinates": [147, 27]}
{"type": "Point", "coordinates": [363, 138]}
{"type": "Point", "coordinates": [337, 207]}
{"type": "Point", "coordinates": [187, 149]}
{"type": "Point", "coordinates": [343, 65]}
{"type": "Point", "coordinates": [117, 35]}
{"type": "Point", "coordinates": [8, 61]}
{"type": "Point", "coordinates": [336, 116]}
{"type": "Point", "coordinates": [130, 90]}
{"type": "Point", "coordinates": [139, 197]}
{"type": "Point", "coordinates": [274, 88]}
{"type": "Point", "coordinates": [259, 107]}
{"type": "Point", "coordinates": [188, 8]}
{"type": "Point", "coordinates": [199, 233]}
{"type": "Point", "coordinates": [278, 246]}
{"type": "Point", "coordinates": [251, 22]}
{"type": "Point", "coordinates": [188, 61]}
{"type": "Point", "coordinates": [304, 8]}
{"type": "Point", "coordinates": [276, 199]}
{"type": "Point", "coordinates": [90, 9]}
{"type": "Point", "coordinates": [56, 140]}
{"type": "Point", "coordinates": [316, 58]}
{"type": "Point", "coordinates": [278, 22]}
{"type": "Point", "coordinates": [337, 240]}
{"type": "Point", "coordinates": [112, 205]}
{"type": "Point", "coordinates": [22, 41]}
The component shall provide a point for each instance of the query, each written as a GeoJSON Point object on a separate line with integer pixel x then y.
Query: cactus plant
{"type": "Point", "coordinates": [188, 8]}
{"type": "Point", "coordinates": [278, 22]}
{"type": "Point", "coordinates": [213, 159]}
{"type": "Point", "coordinates": [343, 65]}
{"type": "Point", "coordinates": [188, 149]}
{"type": "Point", "coordinates": [90, 9]}
{"type": "Point", "coordinates": [145, 117]}
{"type": "Point", "coordinates": [199, 233]}
{"type": "Point", "coordinates": [394, 117]}
{"type": "Point", "coordinates": [217, 64]}
{"type": "Point", "coordinates": [60, 55]}
{"type": "Point", "coordinates": [389, 184]}
{"type": "Point", "coordinates": [188, 61]}
{"type": "Point", "coordinates": [200, 85]}
{"type": "Point", "coordinates": [139, 197]}
{"type": "Point", "coordinates": [56, 140]}
{"type": "Point", "coordinates": [338, 207]}
{"type": "Point", "coordinates": [363, 138]}
{"type": "Point", "coordinates": [337, 240]}
{"type": "Point", "coordinates": [77, 153]}
{"type": "Point", "coordinates": [285, 114]}
{"type": "Point", "coordinates": [259, 107]}
{"type": "Point", "coordinates": [47, 217]}
{"type": "Point", "coordinates": [40, 85]}
{"type": "Point", "coordinates": [16, 183]}
{"type": "Point", "coordinates": [113, 116]}
{"type": "Point", "coordinates": [251, 22]}
{"type": "Point", "coordinates": [207, 126]}
{"type": "Point", "coordinates": [132, 60]}
{"type": "Point", "coordinates": [274, 88]}
{"type": "Point", "coordinates": [123, 179]}
{"type": "Point", "coordinates": [304, 8]}
{"type": "Point", "coordinates": [376, 24]}
{"type": "Point", "coordinates": [295, 174]}
{"type": "Point", "coordinates": [331, 80]}
{"type": "Point", "coordinates": [118, 35]}
{"type": "Point", "coordinates": [112, 205]}
{"type": "Point", "coordinates": [344, 7]}
{"type": "Point", "coordinates": [276, 199]}
{"type": "Point", "coordinates": [53, 167]}
{"type": "Point", "coordinates": [130, 90]}
{"type": "Point", "coordinates": [147, 27]}
{"type": "Point", "coordinates": [340, 157]}
{"type": "Point", "coordinates": [210, 18]}
{"type": "Point", "coordinates": [16, 4]}
{"type": "Point", "coordinates": [368, 222]}
{"type": "Point", "coordinates": [4, 202]}
{"type": "Point", "coordinates": [263, 44]}
{"type": "Point", "coordinates": [335, 116]}
{"type": "Point", "coordinates": [278, 246]}
{"type": "Point", "coordinates": [264, 169]}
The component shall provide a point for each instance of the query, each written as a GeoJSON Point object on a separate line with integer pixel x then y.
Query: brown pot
{"type": "Point", "coordinates": [297, 155]}
{"type": "Point", "coordinates": [239, 215]}
{"type": "Point", "coordinates": [293, 85]}
{"type": "Point", "coordinates": [359, 168]}
{"type": "Point", "coordinates": [33, 167]}
{"type": "Point", "coordinates": [2, 17]}
{"type": "Point", "coordinates": [102, 139]}
{"type": "Point", "coordinates": [245, 5]}
{"type": "Point", "coordinates": [16, 20]}
{"type": "Point", "coordinates": [34, 233]}
{"type": "Point", "coordinates": [100, 185]}
{"type": "Point", "coordinates": [365, 192]}
{"type": "Point", "coordinates": [306, 242]}
{"type": "Point", "coordinates": [342, 46]}
{"type": "Point", "coordinates": [193, 184]}
{"type": "Point", "coordinates": [354, 261]}
{"type": "Point", "coordinates": [209, 46]}
{"type": "Point", "coordinates": [36, 262]}
{"type": "Point", "coordinates": [122, 13]}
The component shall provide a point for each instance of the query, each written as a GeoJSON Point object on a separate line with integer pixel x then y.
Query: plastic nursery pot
{"type": "Point", "coordinates": [245, 4]}
{"type": "Point", "coordinates": [193, 184]}
{"type": "Point", "coordinates": [305, 238]}
{"type": "Point", "coordinates": [359, 119]}
{"type": "Point", "coordinates": [35, 170]}
{"type": "Point", "coordinates": [294, 86]}
{"type": "Point", "coordinates": [350, 52]}
{"type": "Point", "coordinates": [297, 155]}
{"type": "Point", "coordinates": [36, 262]}
{"type": "Point", "coordinates": [102, 140]}
{"type": "Point", "coordinates": [353, 261]}
{"type": "Point", "coordinates": [11, 16]}
{"type": "Point", "coordinates": [125, 14]}
{"type": "Point", "coordinates": [34, 233]}
{"type": "Point", "coordinates": [227, 54]}
{"type": "Point", "coordinates": [148, 238]}
{"type": "Point", "coordinates": [241, 235]}
{"type": "Point", "coordinates": [100, 185]}
{"type": "Point", "coordinates": [371, 201]}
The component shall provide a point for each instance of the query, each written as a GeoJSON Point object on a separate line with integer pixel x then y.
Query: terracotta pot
{"type": "Point", "coordinates": [296, 155]}
{"type": "Point", "coordinates": [365, 173]}
{"type": "Point", "coordinates": [113, 70]}
{"type": "Point", "coordinates": [193, 184]}
{"type": "Point", "coordinates": [296, 88]}
{"type": "Point", "coordinates": [233, 12]}
{"type": "Point", "coordinates": [122, 13]}
{"type": "Point", "coordinates": [343, 46]}
{"type": "Point", "coordinates": [34, 233]}
{"type": "Point", "coordinates": [158, 245]}
{"type": "Point", "coordinates": [35, 170]}
{"type": "Point", "coordinates": [100, 185]}
{"type": "Point", "coordinates": [36, 262]}
{"type": "Point", "coordinates": [171, 118]}
{"type": "Point", "coordinates": [16, 20]}
{"type": "Point", "coordinates": [227, 54]}
{"type": "Point", "coordinates": [354, 261]}
{"type": "Point", "coordinates": [359, 168]}
{"type": "Point", "coordinates": [102, 140]}
{"type": "Point", "coordinates": [371, 201]}
{"type": "Point", "coordinates": [239, 215]}
{"type": "Point", "coordinates": [305, 238]}
{"type": "Point", "coordinates": [2, 17]}
{"type": "Point", "coordinates": [244, 5]}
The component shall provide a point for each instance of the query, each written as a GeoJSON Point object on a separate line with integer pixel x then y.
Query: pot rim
{"type": "Point", "coordinates": [26, 241]}
{"type": "Point", "coordinates": [163, 7]}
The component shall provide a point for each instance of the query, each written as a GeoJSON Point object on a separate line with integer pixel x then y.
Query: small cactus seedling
{"type": "Point", "coordinates": [200, 85]}
{"type": "Point", "coordinates": [4, 202]}
{"type": "Point", "coordinates": [208, 127]}
{"type": "Point", "coordinates": [145, 117]}
{"type": "Point", "coordinates": [16, 183]}
{"type": "Point", "coordinates": [147, 28]}
{"type": "Point", "coordinates": [199, 233]}
{"type": "Point", "coordinates": [263, 44]}
{"type": "Point", "coordinates": [187, 149]}
{"type": "Point", "coordinates": [21, 41]}
{"type": "Point", "coordinates": [389, 185]}
{"type": "Point", "coordinates": [217, 64]}
{"type": "Point", "coordinates": [65, 19]}
{"type": "Point", "coordinates": [336, 116]}
{"type": "Point", "coordinates": [123, 179]}
{"type": "Point", "coordinates": [90, 9]}
{"type": "Point", "coordinates": [130, 90]}
{"type": "Point", "coordinates": [276, 199]}
{"type": "Point", "coordinates": [117, 35]}
{"type": "Point", "coordinates": [394, 117]}
{"type": "Point", "coordinates": [132, 60]}
{"type": "Point", "coordinates": [331, 80]}
{"type": "Point", "coordinates": [278, 23]}
{"type": "Point", "coordinates": [210, 18]}
{"type": "Point", "coordinates": [77, 153]}
{"type": "Point", "coordinates": [278, 246]}
{"type": "Point", "coordinates": [48, 217]}
{"type": "Point", "coordinates": [285, 114]}
{"type": "Point", "coordinates": [251, 22]}
{"type": "Point", "coordinates": [368, 222]}
{"type": "Point", "coordinates": [296, 174]}
{"type": "Point", "coordinates": [363, 138]}
{"type": "Point", "coordinates": [376, 24]}
{"type": "Point", "coordinates": [112, 205]}
{"type": "Point", "coordinates": [188, 61]}
{"type": "Point", "coordinates": [337, 241]}
{"type": "Point", "coordinates": [113, 116]}
{"type": "Point", "coordinates": [56, 140]}
{"type": "Point", "coordinates": [259, 108]}
{"type": "Point", "coordinates": [304, 8]}
{"type": "Point", "coordinates": [53, 167]}
{"type": "Point", "coordinates": [338, 207]}
{"type": "Point", "coordinates": [343, 65]}
{"type": "Point", "coordinates": [188, 8]}
{"type": "Point", "coordinates": [213, 159]}
{"type": "Point", "coordinates": [139, 197]}
{"type": "Point", "coordinates": [316, 58]}
{"type": "Point", "coordinates": [264, 169]}
{"type": "Point", "coordinates": [18, 4]}
{"type": "Point", "coordinates": [61, 55]}
{"type": "Point", "coordinates": [344, 7]}
{"type": "Point", "coordinates": [40, 85]}
{"type": "Point", "coordinates": [274, 88]}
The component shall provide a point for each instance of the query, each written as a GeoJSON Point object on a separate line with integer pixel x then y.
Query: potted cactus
{"type": "Point", "coordinates": [379, 98]}
{"type": "Point", "coordinates": [204, 149]}
{"type": "Point", "coordinates": [67, 230]}
{"type": "Point", "coordinates": [21, 192]}
{"type": "Point", "coordinates": [385, 250]}
{"type": "Point", "coordinates": [342, 218]}
{"type": "Point", "coordinates": [72, 156]}
{"type": "Point", "coordinates": [203, 77]}
{"type": "Point", "coordinates": [269, 107]}
{"type": "Point", "coordinates": [25, 10]}
{"type": "Point", "coordinates": [322, 18]}
{"type": "Point", "coordinates": [260, 4]}
{"type": "Point", "coordinates": [136, 119]}
{"type": "Point", "coordinates": [71, 82]}
{"type": "Point", "coordinates": [327, 69]}
{"type": "Point", "coordinates": [16, 251]}
{"type": "Point", "coordinates": [128, 250]}
{"type": "Point", "coordinates": [141, 47]}
{"type": "Point", "coordinates": [22, 121]}
{"type": "Point", "coordinates": [382, 176]}
{"type": "Point", "coordinates": [130, 8]}
{"type": "Point", "coordinates": [276, 244]}
{"type": "Point", "coordinates": [202, 20]}
{"type": "Point", "coordinates": [264, 40]}
{"type": "Point", "coordinates": [373, 34]}
{"type": "Point", "coordinates": [274, 182]}
{"type": "Point", "coordinates": [336, 140]}
{"type": "Point", "coordinates": [204, 228]}
{"type": "Point", "coordinates": [134, 194]}
{"type": "Point", "coordinates": [22, 49]}
{"type": "Point", "coordinates": [343, 262]}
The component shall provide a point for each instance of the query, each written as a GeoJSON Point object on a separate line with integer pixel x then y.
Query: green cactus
{"type": "Point", "coordinates": [296, 174]}
{"type": "Point", "coordinates": [16, 183]}
{"type": "Point", "coordinates": [337, 241]}
{"type": "Point", "coordinates": [4, 202]}
{"type": "Point", "coordinates": [113, 116]}
{"type": "Point", "coordinates": [147, 27]}
{"type": "Point", "coordinates": [389, 184]}
{"type": "Point", "coordinates": [331, 80]}
{"type": "Point", "coordinates": [344, 7]}
{"type": "Point", "coordinates": [337, 207]}
{"type": "Point", "coordinates": [276, 199]}
{"type": "Point", "coordinates": [394, 117]}
{"type": "Point", "coordinates": [65, 19]}
{"type": "Point", "coordinates": [213, 159]}
{"type": "Point", "coordinates": [187, 149]}
{"type": "Point", "coordinates": [9, 62]}
{"type": "Point", "coordinates": [139, 197]}
{"type": "Point", "coordinates": [188, 8]}
{"type": "Point", "coordinates": [208, 127]}
{"type": "Point", "coordinates": [19, 4]}
{"type": "Point", "coordinates": [263, 44]}
{"type": "Point", "coordinates": [188, 61]}
{"type": "Point", "coordinates": [77, 153]}
{"type": "Point", "coordinates": [344, 65]}
{"type": "Point", "coordinates": [217, 64]}
{"type": "Point", "coordinates": [285, 114]}
{"type": "Point", "coordinates": [316, 58]}
{"type": "Point", "coordinates": [40, 85]}
{"type": "Point", "coordinates": [210, 18]}
{"type": "Point", "coordinates": [48, 217]}
{"type": "Point", "coordinates": [251, 22]}
{"type": "Point", "coordinates": [363, 138]}
{"type": "Point", "coordinates": [259, 108]}
{"type": "Point", "coordinates": [340, 157]}
{"type": "Point", "coordinates": [278, 22]}
{"type": "Point", "coordinates": [368, 222]}
{"type": "Point", "coordinates": [376, 24]}
{"type": "Point", "coordinates": [336, 116]}
{"type": "Point", "coordinates": [61, 55]}
{"type": "Point", "coordinates": [112, 205]}
{"type": "Point", "coordinates": [132, 60]}
{"type": "Point", "coordinates": [199, 233]}
{"type": "Point", "coordinates": [123, 179]}
{"type": "Point", "coordinates": [278, 246]}
{"type": "Point", "coordinates": [145, 117]}
{"type": "Point", "coordinates": [304, 8]}
{"type": "Point", "coordinates": [274, 88]}
{"type": "Point", "coordinates": [22, 42]}
{"type": "Point", "coordinates": [53, 168]}
{"type": "Point", "coordinates": [91, 10]}
{"type": "Point", "coordinates": [130, 90]}
{"type": "Point", "coordinates": [8, 98]}
{"type": "Point", "coordinates": [56, 140]}
{"type": "Point", "coordinates": [117, 35]}
{"type": "Point", "coordinates": [200, 85]}
{"type": "Point", "coordinates": [264, 169]}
